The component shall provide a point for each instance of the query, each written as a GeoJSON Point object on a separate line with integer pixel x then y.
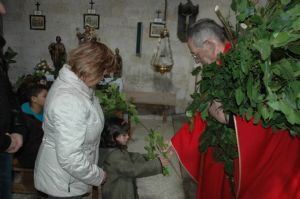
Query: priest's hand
{"type": "Point", "coordinates": [216, 111]}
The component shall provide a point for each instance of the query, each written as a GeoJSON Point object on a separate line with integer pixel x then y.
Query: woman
{"type": "Point", "coordinates": [66, 165]}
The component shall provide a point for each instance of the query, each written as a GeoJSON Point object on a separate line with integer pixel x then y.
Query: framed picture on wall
{"type": "Point", "coordinates": [37, 22]}
{"type": "Point", "coordinates": [92, 20]}
{"type": "Point", "coordinates": [155, 29]}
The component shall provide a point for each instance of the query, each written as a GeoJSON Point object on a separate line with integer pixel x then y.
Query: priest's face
{"type": "Point", "coordinates": [202, 55]}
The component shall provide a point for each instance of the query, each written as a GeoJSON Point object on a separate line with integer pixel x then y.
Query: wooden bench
{"type": "Point", "coordinates": [95, 193]}
{"type": "Point", "coordinates": [22, 180]}
{"type": "Point", "coordinates": [165, 101]}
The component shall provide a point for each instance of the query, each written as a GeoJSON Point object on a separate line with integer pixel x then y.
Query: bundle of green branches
{"type": "Point", "coordinates": [259, 78]}
{"type": "Point", "coordinates": [113, 101]}
{"type": "Point", "coordinates": [156, 144]}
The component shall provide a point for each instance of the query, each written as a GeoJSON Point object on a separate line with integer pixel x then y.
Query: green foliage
{"type": "Point", "coordinates": [155, 147]}
{"type": "Point", "coordinates": [113, 101]}
{"type": "Point", "coordinates": [223, 139]}
{"type": "Point", "coordinates": [258, 78]}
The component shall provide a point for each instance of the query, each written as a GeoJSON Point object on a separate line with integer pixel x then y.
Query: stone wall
{"type": "Point", "coordinates": [118, 27]}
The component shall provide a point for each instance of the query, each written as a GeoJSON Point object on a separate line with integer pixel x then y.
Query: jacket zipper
{"type": "Point", "coordinates": [69, 185]}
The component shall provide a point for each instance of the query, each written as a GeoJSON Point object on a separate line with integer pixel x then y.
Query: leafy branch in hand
{"type": "Point", "coordinates": [156, 147]}
{"type": "Point", "coordinates": [113, 101]}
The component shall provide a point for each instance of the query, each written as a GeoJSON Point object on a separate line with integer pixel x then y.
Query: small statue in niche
{"type": "Point", "coordinates": [89, 34]}
{"type": "Point", "coordinates": [187, 14]}
{"type": "Point", "coordinates": [58, 54]}
{"type": "Point", "coordinates": [119, 64]}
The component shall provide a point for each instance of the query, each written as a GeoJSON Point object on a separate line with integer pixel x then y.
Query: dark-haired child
{"type": "Point", "coordinates": [33, 113]}
{"type": "Point", "coordinates": [27, 82]}
{"type": "Point", "coordinates": [123, 167]}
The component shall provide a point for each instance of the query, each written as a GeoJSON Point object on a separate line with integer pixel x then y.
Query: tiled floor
{"type": "Point", "coordinates": [159, 186]}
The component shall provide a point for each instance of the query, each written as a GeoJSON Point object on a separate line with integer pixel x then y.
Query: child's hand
{"type": "Point", "coordinates": [164, 161]}
{"type": "Point", "coordinates": [168, 150]}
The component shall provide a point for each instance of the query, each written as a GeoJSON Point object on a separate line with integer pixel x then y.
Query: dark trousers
{"type": "Point", "coordinates": [5, 175]}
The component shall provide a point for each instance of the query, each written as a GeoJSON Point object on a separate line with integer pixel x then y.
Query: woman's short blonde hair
{"type": "Point", "coordinates": [91, 59]}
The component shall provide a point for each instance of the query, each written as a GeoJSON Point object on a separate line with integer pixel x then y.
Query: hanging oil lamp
{"type": "Point", "coordinates": [162, 60]}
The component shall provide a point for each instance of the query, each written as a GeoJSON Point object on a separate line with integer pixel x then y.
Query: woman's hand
{"type": "Point", "coordinates": [104, 178]}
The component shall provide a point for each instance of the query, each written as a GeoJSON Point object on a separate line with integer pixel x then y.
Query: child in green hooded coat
{"type": "Point", "coordinates": [123, 167]}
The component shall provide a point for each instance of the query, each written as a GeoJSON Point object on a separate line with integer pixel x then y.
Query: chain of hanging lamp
{"type": "Point", "coordinates": [165, 11]}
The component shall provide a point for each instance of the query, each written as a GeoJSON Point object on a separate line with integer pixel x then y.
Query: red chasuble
{"type": "Point", "coordinates": [268, 166]}
{"type": "Point", "coordinates": [269, 162]}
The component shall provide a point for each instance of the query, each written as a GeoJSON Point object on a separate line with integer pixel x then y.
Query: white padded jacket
{"type": "Point", "coordinates": [66, 164]}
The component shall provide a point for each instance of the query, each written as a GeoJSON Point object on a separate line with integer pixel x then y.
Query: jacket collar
{"type": "Point", "coordinates": [26, 108]}
{"type": "Point", "coordinates": [69, 77]}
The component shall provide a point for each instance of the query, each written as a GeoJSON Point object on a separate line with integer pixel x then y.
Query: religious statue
{"type": "Point", "coordinates": [58, 54]}
{"type": "Point", "coordinates": [89, 34]}
{"type": "Point", "coordinates": [119, 64]}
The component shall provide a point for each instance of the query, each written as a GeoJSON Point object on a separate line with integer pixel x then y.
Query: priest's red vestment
{"type": "Point", "coordinates": [268, 166]}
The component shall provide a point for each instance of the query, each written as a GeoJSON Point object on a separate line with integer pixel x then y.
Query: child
{"type": "Point", "coordinates": [33, 113]}
{"type": "Point", "coordinates": [123, 167]}
{"type": "Point", "coordinates": [26, 83]}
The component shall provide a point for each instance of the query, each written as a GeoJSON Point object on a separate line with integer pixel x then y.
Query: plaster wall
{"type": "Point", "coordinates": [118, 27]}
